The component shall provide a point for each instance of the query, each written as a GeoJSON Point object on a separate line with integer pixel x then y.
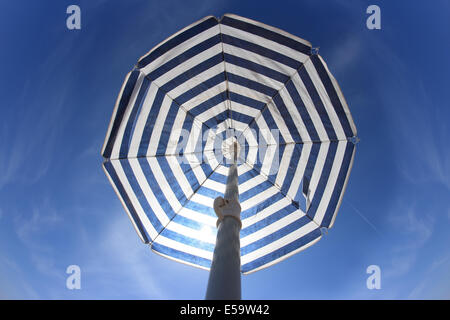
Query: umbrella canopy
{"type": "Point", "coordinates": [176, 119]}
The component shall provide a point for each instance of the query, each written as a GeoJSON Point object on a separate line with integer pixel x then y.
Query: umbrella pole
{"type": "Point", "coordinates": [225, 275]}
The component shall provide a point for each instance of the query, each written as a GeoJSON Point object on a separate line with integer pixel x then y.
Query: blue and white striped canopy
{"type": "Point", "coordinates": [180, 108]}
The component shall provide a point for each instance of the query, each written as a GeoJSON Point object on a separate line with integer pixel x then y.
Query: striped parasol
{"type": "Point", "coordinates": [213, 87]}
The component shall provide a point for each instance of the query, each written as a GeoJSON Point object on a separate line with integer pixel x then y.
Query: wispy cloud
{"type": "Point", "coordinates": [414, 231]}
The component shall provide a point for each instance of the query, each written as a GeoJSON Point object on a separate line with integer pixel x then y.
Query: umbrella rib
{"type": "Point", "coordinates": [301, 142]}
{"type": "Point", "coordinates": [187, 200]}
{"type": "Point", "coordinates": [161, 155]}
{"type": "Point", "coordinates": [226, 79]}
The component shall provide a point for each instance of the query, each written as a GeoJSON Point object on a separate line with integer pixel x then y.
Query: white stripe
{"type": "Point", "coordinates": [268, 211]}
{"type": "Point", "coordinates": [270, 155]}
{"type": "Point", "coordinates": [180, 176]}
{"type": "Point", "coordinates": [118, 142]}
{"type": "Point", "coordinates": [192, 233]}
{"type": "Point", "coordinates": [279, 120]}
{"type": "Point", "coordinates": [300, 170]}
{"type": "Point", "coordinates": [251, 183]}
{"type": "Point", "coordinates": [198, 217]}
{"type": "Point", "coordinates": [275, 261]}
{"type": "Point", "coordinates": [195, 81]}
{"type": "Point", "coordinates": [252, 156]}
{"type": "Point", "coordinates": [179, 49]}
{"type": "Point", "coordinates": [271, 28]}
{"type": "Point", "coordinates": [277, 244]}
{"type": "Point", "coordinates": [149, 195]}
{"type": "Point", "coordinates": [222, 170]}
{"type": "Point", "coordinates": [159, 125]}
{"type": "Point", "coordinates": [284, 165]}
{"type": "Point", "coordinates": [343, 189]}
{"type": "Point", "coordinates": [295, 115]}
{"type": "Point", "coordinates": [260, 197]}
{"type": "Point", "coordinates": [341, 97]}
{"type": "Point", "coordinates": [114, 114]}
{"type": "Point", "coordinates": [210, 158]}
{"type": "Point", "coordinates": [271, 228]}
{"type": "Point", "coordinates": [331, 182]}
{"type": "Point", "coordinates": [254, 57]}
{"type": "Point", "coordinates": [135, 202]}
{"type": "Point", "coordinates": [183, 247]}
{"type": "Point", "coordinates": [318, 168]}
{"type": "Point", "coordinates": [244, 91]}
{"type": "Point", "coordinates": [214, 185]}
{"type": "Point", "coordinates": [126, 208]}
{"type": "Point", "coordinates": [252, 75]}
{"type": "Point", "coordinates": [241, 108]}
{"type": "Point", "coordinates": [188, 64]}
{"type": "Point", "coordinates": [142, 119]}
{"type": "Point", "coordinates": [164, 185]}
{"type": "Point", "coordinates": [195, 164]}
{"type": "Point", "coordinates": [250, 136]}
{"type": "Point", "coordinates": [272, 45]}
{"type": "Point", "coordinates": [194, 140]}
{"type": "Point", "coordinates": [211, 112]}
{"type": "Point", "coordinates": [315, 78]}
{"type": "Point", "coordinates": [201, 199]}
{"type": "Point", "coordinates": [310, 107]}
{"type": "Point", "coordinates": [177, 129]}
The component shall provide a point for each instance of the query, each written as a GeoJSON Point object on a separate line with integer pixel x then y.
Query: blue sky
{"type": "Point", "coordinates": [57, 208]}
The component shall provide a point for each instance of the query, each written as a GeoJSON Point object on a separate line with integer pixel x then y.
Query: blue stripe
{"type": "Point", "coordinates": [208, 104]}
{"type": "Point", "coordinates": [324, 175]}
{"type": "Point", "coordinates": [194, 71]}
{"type": "Point", "coordinates": [200, 88]}
{"type": "Point", "coordinates": [268, 220]}
{"type": "Point", "coordinates": [247, 101]}
{"type": "Point", "coordinates": [261, 206]}
{"type": "Point", "coordinates": [271, 124]}
{"type": "Point", "coordinates": [193, 224]}
{"type": "Point", "coordinates": [339, 187]}
{"type": "Point", "coordinates": [215, 121]}
{"type": "Point", "coordinates": [274, 236]}
{"type": "Point", "coordinates": [181, 255]}
{"type": "Point", "coordinates": [318, 104]}
{"type": "Point", "coordinates": [186, 55]}
{"type": "Point", "coordinates": [154, 186]}
{"type": "Point", "coordinates": [268, 34]}
{"type": "Point", "coordinates": [336, 102]}
{"type": "Point", "coordinates": [298, 102]}
{"type": "Point", "coordinates": [178, 237]}
{"type": "Point", "coordinates": [150, 122]}
{"type": "Point", "coordinates": [198, 207]}
{"type": "Point", "coordinates": [112, 173]}
{"type": "Point", "coordinates": [129, 129]}
{"type": "Point", "coordinates": [263, 186]}
{"type": "Point", "coordinates": [293, 164]}
{"type": "Point", "coordinates": [241, 117]}
{"type": "Point", "coordinates": [210, 193]}
{"type": "Point", "coordinates": [279, 103]}
{"type": "Point", "coordinates": [263, 51]}
{"type": "Point", "coordinates": [175, 41]}
{"type": "Point", "coordinates": [313, 235]}
{"type": "Point", "coordinates": [250, 84]}
{"type": "Point", "coordinates": [140, 195]}
{"type": "Point", "coordinates": [172, 180]}
{"type": "Point", "coordinates": [312, 159]}
{"type": "Point", "coordinates": [255, 67]}
{"type": "Point", "coordinates": [123, 103]}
